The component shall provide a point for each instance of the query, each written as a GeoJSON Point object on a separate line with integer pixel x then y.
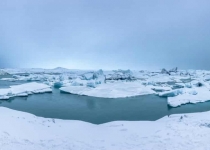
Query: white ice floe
{"type": "Point", "coordinates": [111, 90]}
{"type": "Point", "coordinates": [23, 131]}
{"type": "Point", "coordinates": [24, 90]}
{"type": "Point", "coordinates": [194, 95]}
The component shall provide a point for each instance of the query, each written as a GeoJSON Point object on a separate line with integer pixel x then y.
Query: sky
{"type": "Point", "coordinates": [110, 34]}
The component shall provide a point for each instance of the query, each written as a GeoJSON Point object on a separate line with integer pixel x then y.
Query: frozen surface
{"type": "Point", "coordinates": [23, 131]}
{"type": "Point", "coordinates": [24, 90]}
{"type": "Point", "coordinates": [111, 90]}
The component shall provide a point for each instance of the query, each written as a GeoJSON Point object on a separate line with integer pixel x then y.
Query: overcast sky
{"type": "Point", "coordinates": [108, 34]}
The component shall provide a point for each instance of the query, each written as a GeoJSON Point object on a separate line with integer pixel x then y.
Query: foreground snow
{"type": "Point", "coordinates": [23, 131]}
{"type": "Point", "coordinates": [24, 90]}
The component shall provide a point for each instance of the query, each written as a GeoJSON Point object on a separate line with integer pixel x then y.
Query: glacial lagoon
{"type": "Point", "coordinates": [96, 110]}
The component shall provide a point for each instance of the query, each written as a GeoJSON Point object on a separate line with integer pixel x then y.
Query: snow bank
{"type": "Point", "coordinates": [24, 90]}
{"type": "Point", "coordinates": [111, 90]}
{"type": "Point", "coordinates": [20, 131]}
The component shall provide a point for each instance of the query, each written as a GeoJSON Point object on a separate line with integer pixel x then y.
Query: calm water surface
{"type": "Point", "coordinates": [96, 110]}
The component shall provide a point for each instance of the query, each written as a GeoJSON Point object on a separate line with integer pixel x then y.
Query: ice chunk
{"type": "Point", "coordinates": [79, 82]}
{"type": "Point", "coordinates": [58, 84]}
{"type": "Point", "coordinates": [90, 79]}
{"type": "Point", "coordinates": [99, 77]}
{"type": "Point", "coordinates": [164, 71]}
{"type": "Point", "coordinates": [120, 75]}
{"type": "Point", "coordinates": [188, 85]}
{"type": "Point", "coordinates": [91, 84]}
{"type": "Point", "coordinates": [87, 76]}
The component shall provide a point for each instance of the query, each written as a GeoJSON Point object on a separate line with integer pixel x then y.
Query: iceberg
{"type": "Point", "coordinates": [175, 70]}
{"type": "Point", "coordinates": [164, 71]}
{"type": "Point", "coordinates": [120, 75]}
{"type": "Point", "coordinates": [90, 79]}
{"type": "Point", "coordinates": [87, 76]}
{"type": "Point", "coordinates": [3, 72]}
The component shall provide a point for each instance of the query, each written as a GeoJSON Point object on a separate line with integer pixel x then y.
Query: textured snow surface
{"type": "Point", "coordinates": [23, 131]}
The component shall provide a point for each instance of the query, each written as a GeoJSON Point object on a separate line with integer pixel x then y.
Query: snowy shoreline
{"type": "Point", "coordinates": [19, 130]}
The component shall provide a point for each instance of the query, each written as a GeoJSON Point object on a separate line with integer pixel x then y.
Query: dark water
{"type": "Point", "coordinates": [97, 110]}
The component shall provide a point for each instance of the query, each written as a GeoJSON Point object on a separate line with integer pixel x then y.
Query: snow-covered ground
{"type": "Point", "coordinates": [180, 86]}
{"type": "Point", "coordinates": [23, 131]}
